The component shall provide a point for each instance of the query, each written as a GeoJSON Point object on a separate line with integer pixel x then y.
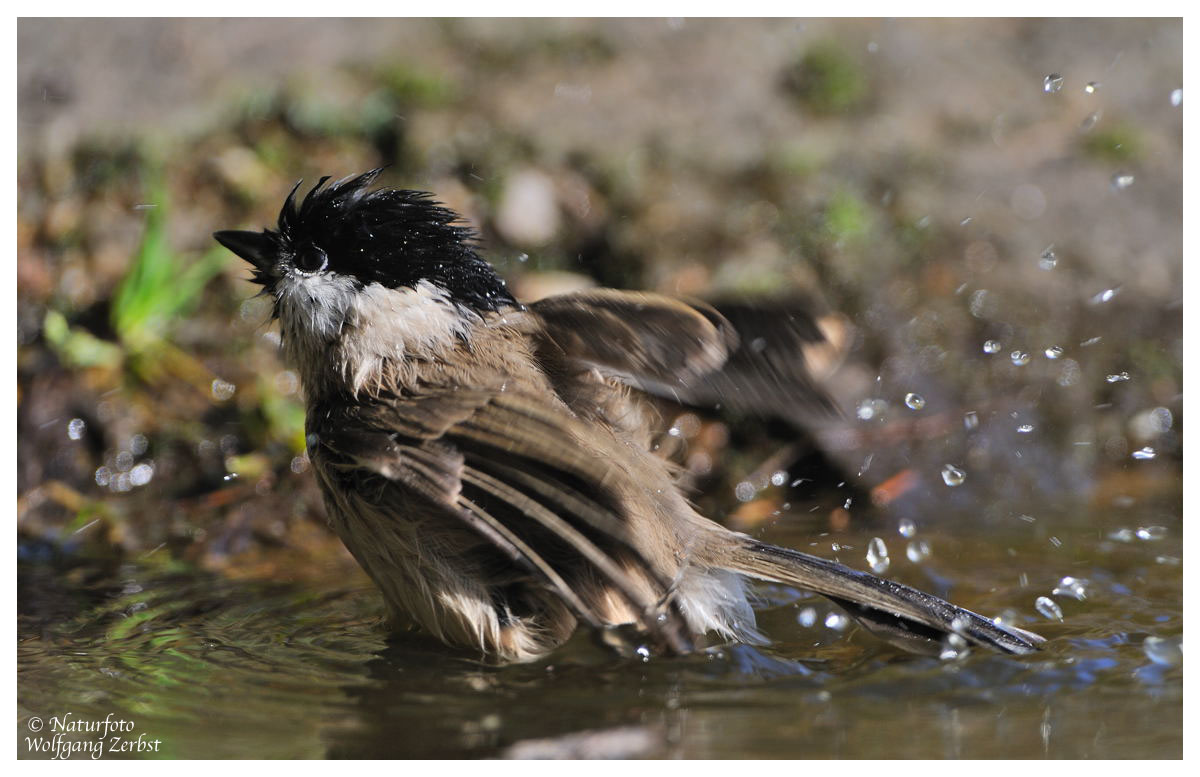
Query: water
{"type": "Point", "coordinates": [215, 667]}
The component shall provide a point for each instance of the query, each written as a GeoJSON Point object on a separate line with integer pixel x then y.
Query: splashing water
{"type": "Point", "coordinates": [877, 556]}
{"type": "Point", "coordinates": [1048, 608]}
{"type": "Point", "coordinates": [953, 476]}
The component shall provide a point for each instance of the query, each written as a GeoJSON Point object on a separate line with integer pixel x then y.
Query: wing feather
{"type": "Point", "coordinates": [509, 467]}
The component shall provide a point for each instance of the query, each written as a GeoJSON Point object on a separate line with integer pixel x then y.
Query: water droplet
{"type": "Point", "coordinates": [138, 444]}
{"type": "Point", "coordinates": [836, 621]}
{"type": "Point", "coordinates": [1162, 419]}
{"type": "Point", "coordinates": [1019, 358]}
{"type": "Point", "coordinates": [953, 476]}
{"type": "Point", "coordinates": [870, 408]}
{"type": "Point", "coordinates": [644, 652]}
{"type": "Point", "coordinates": [992, 346]}
{"type": "Point", "coordinates": [849, 501]}
{"type": "Point", "coordinates": [1122, 535]}
{"type": "Point", "coordinates": [965, 221]}
{"type": "Point", "coordinates": [1091, 87]}
{"type": "Point", "coordinates": [1090, 341]}
{"type": "Point", "coordinates": [977, 303]}
{"type": "Point", "coordinates": [522, 258]}
{"type": "Point", "coordinates": [1119, 377]}
{"type": "Point", "coordinates": [1176, 97]}
{"type": "Point", "coordinates": [299, 464]}
{"type": "Point", "coordinates": [877, 556]}
{"type": "Point", "coordinates": [1048, 608]}
{"type": "Point", "coordinates": [778, 478]}
{"type": "Point", "coordinates": [1152, 533]}
{"type": "Point", "coordinates": [103, 476]}
{"type": "Point", "coordinates": [124, 461]}
{"type": "Point", "coordinates": [807, 617]}
{"type": "Point", "coordinates": [1164, 652]}
{"type": "Point", "coordinates": [1071, 373]}
{"type": "Point", "coordinates": [914, 401]}
{"type": "Point", "coordinates": [1145, 453]}
{"type": "Point", "coordinates": [1048, 260]}
{"type": "Point", "coordinates": [954, 647]}
{"type": "Point", "coordinates": [906, 528]}
{"type": "Point", "coordinates": [1053, 352]}
{"type": "Point", "coordinates": [1090, 121]}
{"type": "Point", "coordinates": [917, 551]}
{"type": "Point", "coordinates": [141, 474]}
{"type": "Point", "coordinates": [1007, 617]}
{"type": "Point", "coordinates": [222, 389]}
{"type": "Point", "coordinates": [75, 428]}
{"type": "Point", "coordinates": [1122, 181]}
{"type": "Point", "coordinates": [1024, 428]}
{"type": "Point", "coordinates": [1072, 587]}
{"type": "Point", "coordinates": [745, 491]}
{"type": "Point", "coordinates": [970, 420]}
{"type": "Point", "coordinates": [1052, 83]}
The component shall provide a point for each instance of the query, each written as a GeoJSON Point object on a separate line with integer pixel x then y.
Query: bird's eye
{"type": "Point", "coordinates": [311, 260]}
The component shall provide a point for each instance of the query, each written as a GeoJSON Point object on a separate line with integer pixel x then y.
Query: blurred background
{"type": "Point", "coordinates": [993, 207]}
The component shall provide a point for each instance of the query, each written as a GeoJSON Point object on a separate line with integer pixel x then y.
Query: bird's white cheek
{"type": "Point", "coordinates": [335, 331]}
{"type": "Point", "coordinates": [312, 316]}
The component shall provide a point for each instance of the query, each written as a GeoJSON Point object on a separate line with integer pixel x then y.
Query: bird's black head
{"type": "Point", "coordinates": [393, 237]}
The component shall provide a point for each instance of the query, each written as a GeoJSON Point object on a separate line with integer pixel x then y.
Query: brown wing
{"type": "Point", "coordinates": [757, 359]}
{"type": "Point", "coordinates": [638, 336]}
{"type": "Point", "coordinates": [509, 467]}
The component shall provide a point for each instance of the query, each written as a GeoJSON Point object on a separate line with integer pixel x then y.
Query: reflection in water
{"type": "Point", "coordinates": [221, 668]}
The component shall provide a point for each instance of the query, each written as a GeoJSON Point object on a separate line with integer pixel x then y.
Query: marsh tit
{"type": "Point", "coordinates": [489, 463]}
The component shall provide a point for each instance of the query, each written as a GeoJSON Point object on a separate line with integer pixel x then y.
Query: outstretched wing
{"type": "Point", "coordinates": [765, 359]}
{"type": "Point", "coordinates": [513, 469]}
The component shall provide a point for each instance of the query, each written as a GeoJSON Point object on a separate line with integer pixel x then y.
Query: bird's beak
{"type": "Point", "coordinates": [256, 248]}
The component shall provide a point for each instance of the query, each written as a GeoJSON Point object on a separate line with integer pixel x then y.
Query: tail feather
{"type": "Point", "coordinates": [900, 614]}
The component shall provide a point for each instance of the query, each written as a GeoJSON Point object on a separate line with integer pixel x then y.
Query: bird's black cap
{"type": "Point", "coordinates": [393, 237]}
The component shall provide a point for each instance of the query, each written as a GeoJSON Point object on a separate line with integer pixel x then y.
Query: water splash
{"type": "Point", "coordinates": [877, 556]}
{"type": "Point", "coordinates": [953, 476]}
{"type": "Point", "coordinates": [1048, 608]}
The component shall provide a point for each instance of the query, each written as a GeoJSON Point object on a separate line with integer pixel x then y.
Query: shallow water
{"type": "Point", "coordinates": [214, 668]}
